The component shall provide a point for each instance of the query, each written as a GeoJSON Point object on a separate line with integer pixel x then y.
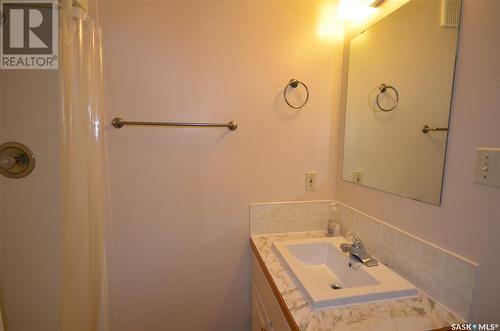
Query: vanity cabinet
{"type": "Point", "coordinates": [260, 317]}
{"type": "Point", "coordinates": [267, 314]}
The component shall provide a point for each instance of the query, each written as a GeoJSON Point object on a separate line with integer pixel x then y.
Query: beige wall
{"type": "Point", "coordinates": [180, 253]}
{"type": "Point", "coordinates": [29, 237]}
{"type": "Point", "coordinates": [468, 222]}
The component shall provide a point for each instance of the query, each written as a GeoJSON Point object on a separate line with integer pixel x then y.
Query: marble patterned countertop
{"type": "Point", "coordinates": [412, 314]}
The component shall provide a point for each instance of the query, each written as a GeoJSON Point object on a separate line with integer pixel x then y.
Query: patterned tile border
{"type": "Point", "coordinates": [286, 217]}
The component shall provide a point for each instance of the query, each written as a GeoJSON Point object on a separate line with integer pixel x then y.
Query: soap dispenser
{"type": "Point", "coordinates": [333, 227]}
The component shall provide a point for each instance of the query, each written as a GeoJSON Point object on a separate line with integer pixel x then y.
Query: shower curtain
{"type": "Point", "coordinates": [83, 177]}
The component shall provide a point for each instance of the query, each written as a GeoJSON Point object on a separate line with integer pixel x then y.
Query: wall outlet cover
{"type": "Point", "coordinates": [487, 171]}
{"type": "Point", "coordinates": [357, 177]}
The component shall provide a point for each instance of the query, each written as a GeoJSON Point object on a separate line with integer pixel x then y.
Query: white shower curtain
{"type": "Point", "coordinates": [84, 177]}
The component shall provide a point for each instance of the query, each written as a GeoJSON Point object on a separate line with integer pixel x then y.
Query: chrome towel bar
{"type": "Point", "coordinates": [119, 123]}
{"type": "Point", "coordinates": [427, 129]}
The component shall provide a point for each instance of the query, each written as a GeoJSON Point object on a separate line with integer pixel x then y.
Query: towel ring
{"type": "Point", "coordinates": [381, 89]}
{"type": "Point", "coordinates": [294, 83]}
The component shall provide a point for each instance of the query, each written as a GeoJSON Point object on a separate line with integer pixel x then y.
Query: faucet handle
{"type": "Point", "coordinates": [345, 247]}
{"type": "Point", "coordinates": [354, 239]}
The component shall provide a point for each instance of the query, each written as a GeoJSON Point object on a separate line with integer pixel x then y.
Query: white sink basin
{"type": "Point", "coordinates": [318, 264]}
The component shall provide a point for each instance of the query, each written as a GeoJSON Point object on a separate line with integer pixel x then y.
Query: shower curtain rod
{"type": "Point", "coordinates": [75, 3]}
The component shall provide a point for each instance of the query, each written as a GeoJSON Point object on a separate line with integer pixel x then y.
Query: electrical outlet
{"type": "Point", "coordinates": [487, 167]}
{"type": "Point", "coordinates": [357, 177]}
{"type": "Point", "coordinates": [310, 181]}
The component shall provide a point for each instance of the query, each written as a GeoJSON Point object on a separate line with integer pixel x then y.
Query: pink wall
{"type": "Point", "coordinates": [180, 254]}
{"type": "Point", "coordinates": [180, 197]}
{"type": "Point", "coordinates": [468, 221]}
{"type": "Point", "coordinates": [29, 207]}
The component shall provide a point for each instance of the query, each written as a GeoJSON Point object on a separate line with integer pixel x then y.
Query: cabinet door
{"type": "Point", "coordinates": [258, 321]}
{"type": "Point", "coordinates": [260, 318]}
{"type": "Point", "coordinates": [274, 314]}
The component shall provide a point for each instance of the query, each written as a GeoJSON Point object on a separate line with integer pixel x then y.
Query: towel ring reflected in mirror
{"type": "Point", "coordinates": [382, 89]}
{"type": "Point", "coordinates": [294, 83]}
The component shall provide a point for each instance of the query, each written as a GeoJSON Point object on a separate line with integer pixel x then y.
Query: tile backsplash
{"type": "Point", "coordinates": [446, 277]}
{"type": "Point", "coordinates": [283, 217]}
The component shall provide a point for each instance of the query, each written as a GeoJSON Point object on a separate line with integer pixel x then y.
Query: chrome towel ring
{"type": "Point", "coordinates": [294, 83]}
{"type": "Point", "coordinates": [382, 89]}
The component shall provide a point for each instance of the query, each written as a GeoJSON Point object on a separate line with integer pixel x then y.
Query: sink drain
{"type": "Point", "coordinates": [335, 286]}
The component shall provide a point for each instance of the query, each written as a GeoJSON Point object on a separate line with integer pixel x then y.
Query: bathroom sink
{"type": "Point", "coordinates": [329, 278]}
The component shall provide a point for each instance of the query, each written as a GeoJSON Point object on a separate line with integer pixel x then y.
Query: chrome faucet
{"type": "Point", "coordinates": [357, 251]}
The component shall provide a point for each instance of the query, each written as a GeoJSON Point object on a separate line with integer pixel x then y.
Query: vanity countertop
{"type": "Point", "coordinates": [411, 314]}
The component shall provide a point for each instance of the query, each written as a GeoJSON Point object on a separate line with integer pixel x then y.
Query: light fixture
{"type": "Point", "coordinates": [330, 27]}
{"type": "Point", "coordinates": [376, 3]}
{"type": "Point", "coordinates": [356, 10]}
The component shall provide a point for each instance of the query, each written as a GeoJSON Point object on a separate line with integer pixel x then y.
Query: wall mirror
{"type": "Point", "coordinates": [398, 100]}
